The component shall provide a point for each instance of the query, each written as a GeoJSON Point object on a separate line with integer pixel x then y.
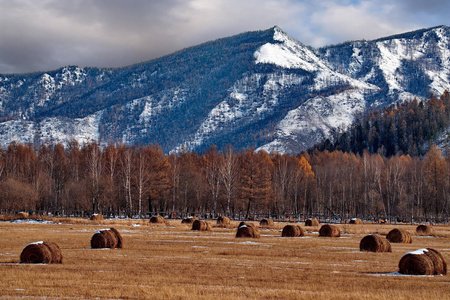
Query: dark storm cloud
{"type": "Point", "coordinates": [48, 34]}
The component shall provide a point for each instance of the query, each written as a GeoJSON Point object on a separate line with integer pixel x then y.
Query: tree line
{"type": "Point", "coordinates": [139, 180]}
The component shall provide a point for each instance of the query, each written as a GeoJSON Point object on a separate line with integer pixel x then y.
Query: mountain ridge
{"type": "Point", "coordinates": [262, 89]}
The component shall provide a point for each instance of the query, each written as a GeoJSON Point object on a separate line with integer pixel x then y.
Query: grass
{"type": "Point", "coordinates": [162, 261]}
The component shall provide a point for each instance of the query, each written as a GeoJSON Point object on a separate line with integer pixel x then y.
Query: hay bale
{"type": "Point", "coordinates": [329, 231]}
{"type": "Point", "coordinates": [356, 221]}
{"type": "Point", "coordinates": [201, 225]}
{"type": "Point", "coordinates": [424, 229]}
{"type": "Point", "coordinates": [248, 224]}
{"type": "Point", "coordinates": [36, 253]}
{"type": "Point", "coordinates": [22, 215]}
{"type": "Point", "coordinates": [157, 220]}
{"type": "Point", "coordinates": [55, 252]}
{"type": "Point", "coordinates": [292, 231]}
{"type": "Point", "coordinates": [247, 230]}
{"type": "Point", "coordinates": [188, 220]}
{"type": "Point", "coordinates": [96, 217]}
{"type": "Point", "coordinates": [222, 220]}
{"type": "Point", "coordinates": [104, 238]}
{"type": "Point", "coordinates": [440, 266]}
{"type": "Point", "coordinates": [118, 237]}
{"type": "Point", "coordinates": [399, 236]}
{"type": "Point", "coordinates": [416, 263]}
{"type": "Point", "coordinates": [375, 243]}
{"type": "Point", "coordinates": [312, 222]}
{"type": "Point", "coordinates": [266, 222]}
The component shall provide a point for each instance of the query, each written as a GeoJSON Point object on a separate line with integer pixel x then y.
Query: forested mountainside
{"type": "Point", "coordinates": [259, 89]}
{"type": "Point", "coordinates": [408, 128]}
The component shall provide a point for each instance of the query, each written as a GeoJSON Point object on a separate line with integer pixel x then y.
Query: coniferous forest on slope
{"type": "Point", "coordinates": [382, 168]}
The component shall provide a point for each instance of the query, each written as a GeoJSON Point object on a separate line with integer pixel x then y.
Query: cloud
{"type": "Point", "coordinates": [48, 34]}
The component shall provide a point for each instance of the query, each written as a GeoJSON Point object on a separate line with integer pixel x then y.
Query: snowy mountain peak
{"type": "Point", "coordinates": [287, 53]}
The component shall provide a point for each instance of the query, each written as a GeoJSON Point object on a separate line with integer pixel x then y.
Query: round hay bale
{"type": "Point", "coordinates": [329, 231]}
{"type": "Point", "coordinates": [292, 231]}
{"type": "Point", "coordinates": [55, 252]}
{"type": "Point", "coordinates": [96, 217]}
{"type": "Point", "coordinates": [188, 220]}
{"type": "Point", "coordinates": [375, 243]}
{"type": "Point", "coordinates": [302, 231]}
{"type": "Point", "coordinates": [36, 253]}
{"type": "Point", "coordinates": [312, 222]}
{"type": "Point", "coordinates": [424, 230]}
{"type": "Point", "coordinates": [157, 220]}
{"type": "Point", "coordinates": [22, 215]}
{"type": "Point", "coordinates": [399, 236]}
{"type": "Point", "coordinates": [104, 238]}
{"type": "Point", "coordinates": [201, 225]}
{"type": "Point", "coordinates": [247, 224]}
{"type": "Point", "coordinates": [440, 266]}
{"type": "Point", "coordinates": [416, 263]}
{"type": "Point", "coordinates": [247, 230]}
{"type": "Point", "coordinates": [118, 237]}
{"type": "Point", "coordinates": [222, 220]}
{"type": "Point", "coordinates": [356, 221]}
{"type": "Point", "coordinates": [266, 222]}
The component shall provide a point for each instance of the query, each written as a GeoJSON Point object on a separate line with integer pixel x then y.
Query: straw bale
{"type": "Point", "coordinates": [201, 225]}
{"type": "Point", "coordinates": [292, 231]}
{"type": "Point", "coordinates": [248, 224]}
{"type": "Point", "coordinates": [118, 237]}
{"type": "Point", "coordinates": [157, 219]}
{"type": "Point", "coordinates": [104, 238]}
{"type": "Point", "coordinates": [424, 229]}
{"type": "Point", "coordinates": [55, 252]}
{"type": "Point", "coordinates": [222, 220]}
{"type": "Point", "coordinates": [96, 217]}
{"type": "Point", "coordinates": [399, 236]}
{"type": "Point", "coordinates": [329, 231]}
{"type": "Point", "coordinates": [356, 221]}
{"type": "Point", "coordinates": [375, 243]}
{"type": "Point", "coordinates": [188, 220]}
{"type": "Point", "coordinates": [440, 266]}
{"type": "Point", "coordinates": [22, 215]}
{"type": "Point", "coordinates": [36, 253]}
{"type": "Point", "coordinates": [416, 263]}
{"type": "Point", "coordinates": [312, 222]}
{"type": "Point", "coordinates": [266, 222]}
{"type": "Point", "coordinates": [247, 230]}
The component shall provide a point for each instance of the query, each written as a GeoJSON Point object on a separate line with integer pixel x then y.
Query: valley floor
{"type": "Point", "coordinates": [170, 261]}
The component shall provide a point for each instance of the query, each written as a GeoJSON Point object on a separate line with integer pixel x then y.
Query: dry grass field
{"type": "Point", "coordinates": [169, 261]}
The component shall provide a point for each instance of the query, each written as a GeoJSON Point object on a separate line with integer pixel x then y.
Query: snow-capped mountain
{"type": "Point", "coordinates": [262, 89]}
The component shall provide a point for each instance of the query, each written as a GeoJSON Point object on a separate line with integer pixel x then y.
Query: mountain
{"type": "Point", "coordinates": [262, 89]}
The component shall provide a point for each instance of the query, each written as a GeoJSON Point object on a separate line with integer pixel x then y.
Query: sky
{"type": "Point", "coordinates": [43, 35]}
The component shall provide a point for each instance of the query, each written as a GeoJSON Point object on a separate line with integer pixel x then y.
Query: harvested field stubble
{"type": "Point", "coordinates": [192, 265]}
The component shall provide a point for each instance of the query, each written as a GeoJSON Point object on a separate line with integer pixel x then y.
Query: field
{"type": "Point", "coordinates": [169, 261]}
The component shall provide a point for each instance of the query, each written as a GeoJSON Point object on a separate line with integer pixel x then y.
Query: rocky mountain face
{"type": "Point", "coordinates": [261, 89]}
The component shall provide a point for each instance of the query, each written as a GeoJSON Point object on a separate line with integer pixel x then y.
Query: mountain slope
{"type": "Point", "coordinates": [261, 89]}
